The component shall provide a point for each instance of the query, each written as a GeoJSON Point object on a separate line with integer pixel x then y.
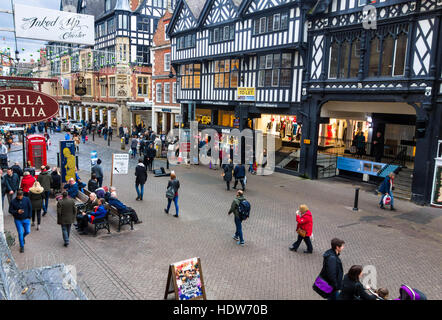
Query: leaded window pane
{"type": "Point", "coordinates": [334, 54]}
{"type": "Point", "coordinates": [401, 50]}
{"type": "Point", "coordinates": [387, 56]}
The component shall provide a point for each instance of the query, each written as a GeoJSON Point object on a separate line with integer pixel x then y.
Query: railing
{"type": "Point", "coordinates": [392, 153]}
{"type": "Point", "coordinates": [400, 155]}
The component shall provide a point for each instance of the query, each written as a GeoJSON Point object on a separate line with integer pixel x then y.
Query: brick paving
{"type": "Point", "coordinates": [405, 246]}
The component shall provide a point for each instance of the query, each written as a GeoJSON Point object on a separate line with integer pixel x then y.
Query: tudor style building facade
{"type": "Point", "coordinates": [320, 74]}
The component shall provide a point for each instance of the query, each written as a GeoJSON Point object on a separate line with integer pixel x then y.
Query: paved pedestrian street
{"type": "Point", "coordinates": [404, 246]}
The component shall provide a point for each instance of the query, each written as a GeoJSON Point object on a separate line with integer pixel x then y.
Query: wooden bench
{"type": "Point", "coordinates": [123, 218]}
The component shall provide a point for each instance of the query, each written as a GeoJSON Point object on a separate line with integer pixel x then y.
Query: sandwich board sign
{"type": "Point", "coordinates": [185, 279]}
{"type": "Point", "coordinates": [120, 164]}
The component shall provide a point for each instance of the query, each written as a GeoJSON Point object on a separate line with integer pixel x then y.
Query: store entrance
{"type": "Point", "coordinates": [287, 134]}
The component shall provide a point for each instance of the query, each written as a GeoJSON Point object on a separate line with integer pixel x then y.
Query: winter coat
{"type": "Point", "coordinates": [97, 170]}
{"type": "Point", "coordinates": [98, 213]}
{"type": "Point", "coordinates": [27, 182]}
{"type": "Point", "coordinates": [31, 170]}
{"type": "Point", "coordinates": [12, 183]}
{"type": "Point", "coordinates": [386, 185]}
{"type": "Point", "coordinates": [234, 208]}
{"type": "Point", "coordinates": [239, 172]}
{"type": "Point", "coordinates": [36, 197]}
{"type": "Point", "coordinates": [45, 180]}
{"type": "Point", "coordinates": [332, 270]}
{"type": "Point", "coordinates": [72, 190]}
{"type": "Point", "coordinates": [3, 184]}
{"type": "Point", "coordinates": [90, 205]}
{"type": "Point", "coordinates": [151, 153]}
{"type": "Point", "coordinates": [24, 204]}
{"type": "Point", "coordinates": [56, 180]}
{"type": "Point", "coordinates": [118, 205]}
{"type": "Point", "coordinates": [354, 290]}
{"type": "Point", "coordinates": [66, 211]}
{"type": "Point", "coordinates": [92, 185]}
{"type": "Point", "coordinates": [141, 174]}
{"type": "Point", "coordinates": [228, 168]}
{"type": "Point", "coordinates": [305, 222]}
{"type": "Point", "coordinates": [134, 144]}
{"type": "Point", "coordinates": [100, 193]}
{"type": "Point", "coordinates": [175, 185]}
{"type": "Point", "coordinates": [16, 168]}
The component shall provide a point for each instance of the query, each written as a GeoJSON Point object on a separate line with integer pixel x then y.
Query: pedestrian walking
{"type": "Point", "coordinates": [140, 180]}
{"type": "Point", "coordinates": [227, 174]}
{"type": "Point", "coordinates": [352, 288]}
{"type": "Point", "coordinates": [26, 183]}
{"type": "Point", "coordinates": [120, 131]}
{"type": "Point", "coordinates": [104, 132]}
{"type": "Point", "coordinates": [17, 169]}
{"type": "Point", "coordinates": [98, 172]}
{"type": "Point", "coordinates": [45, 180]}
{"type": "Point", "coordinates": [149, 157]}
{"type": "Point", "coordinates": [83, 134]}
{"type": "Point", "coordinates": [241, 209]}
{"type": "Point", "coordinates": [110, 132]}
{"type": "Point", "coordinates": [56, 180]}
{"type": "Point", "coordinates": [67, 136]}
{"type": "Point", "coordinates": [172, 193]}
{"type": "Point", "coordinates": [378, 146]}
{"type": "Point", "coordinates": [304, 228]}
{"type": "Point", "coordinates": [36, 195]}
{"type": "Point", "coordinates": [66, 216]}
{"type": "Point", "coordinates": [332, 271]}
{"type": "Point", "coordinates": [30, 168]}
{"type": "Point", "coordinates": [12, 183]}
{"type": "Point", "coordinates": [133, 147]}
{"type": "Point", "coordinates": [240, 175]}
{"type": "Point", "coordinates": [386, 188]}
{"type": "Point", "coordinates": [21, 208]}
{"type": "Point", "coordinates": [77, 142]}
{"type": "Point", "coordinates": [3, 188]}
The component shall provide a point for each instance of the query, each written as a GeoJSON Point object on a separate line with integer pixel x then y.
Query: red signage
{"type": "Point", "coordinates": [26, 106]}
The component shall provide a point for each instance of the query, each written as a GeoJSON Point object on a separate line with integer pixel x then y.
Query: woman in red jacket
{"type": "Point", "coordinates": [26, 183]}
{"type": "Point", "coordinates": [304, 228]}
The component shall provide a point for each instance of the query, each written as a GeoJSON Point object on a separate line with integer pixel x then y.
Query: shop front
{"type": "Point", "coordinates": [164, 118]}
{"type": "Point", "coordinates": [140, 113]}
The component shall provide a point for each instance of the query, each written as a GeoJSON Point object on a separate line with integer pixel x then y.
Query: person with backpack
{"type": "Point", "coordinates": [172, 193]}
{"type": "Point", "coordinates": [241, 209]}
{"type": "Point", "coordinates": [332, 271]}
{"type": "Point", "coordinates": [304, 228]}
{"type": "Point", "coordinates": [240, 174]}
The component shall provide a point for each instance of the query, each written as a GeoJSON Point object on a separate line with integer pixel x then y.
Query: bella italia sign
{"type": "Point", "coordinates": [53, 25]}
{"type": "Point", "coordinates": [26, 106]}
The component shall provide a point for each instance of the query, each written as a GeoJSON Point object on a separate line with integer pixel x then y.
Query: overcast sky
{"type": "Point", "coordinates": [6, 21]}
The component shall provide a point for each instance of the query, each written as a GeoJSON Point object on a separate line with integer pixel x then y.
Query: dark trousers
{"type": "Point", "coordinates": [150, 164]}
{"type": "Point", "coordinates": [46, 201]}
{"type": "Point", "coordinates": [132, 213]}
{"type": "Point", "coordinates": [82, 222]}
{"type": "Point", "coordinates": [100, 181]}
{"type": "Point", "coordinates": [228, 185]}
{"type": "Point", "coordinates": [241, 180]}
{"type": "Point", "coordinates": [38, 213]}
{"type": "Point", "coordinates": [307, 242]}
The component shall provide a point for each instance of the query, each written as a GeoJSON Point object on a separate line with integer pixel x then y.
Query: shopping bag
{"type": "Point", "coordinates": [387, 200]}
{"type": "Point", "coordinates": [86, 138]}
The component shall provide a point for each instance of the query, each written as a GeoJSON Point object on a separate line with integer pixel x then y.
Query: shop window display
{"type": "Point", "coordinates": [286, 127]}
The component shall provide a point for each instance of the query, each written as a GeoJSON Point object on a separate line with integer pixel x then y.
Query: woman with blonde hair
{"type": "Point", "coordinates": [172, 193]}
{"type": "Point", "coordinates": [36, 195]}
{"type": "Point", "coordinates": [304, 228]}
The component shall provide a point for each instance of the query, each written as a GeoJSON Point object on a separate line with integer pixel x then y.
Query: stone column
{"type": "Point", "coordinates": [93, 115]}
{"type": "Point", "coordinates": [70, 111]}
{"type": "Point", "coordinates": [154, 119]}
{"type": "Point", "coordinates": [60, 111]}
{"type": "Point", "coordinates": [100, 113]}
{"type": "Point", "coordinates": [75, 112]}
{"type": "Point", "coordinates": [86, 114]}
{"type": "Point", "coordinates": [80, 108]}
{"type": "Point", "coordinates": [109, 114]}
{"type": "Point", "coordinates": [164, 124]}
{"type": "Point", "coordinates": [172, 118]}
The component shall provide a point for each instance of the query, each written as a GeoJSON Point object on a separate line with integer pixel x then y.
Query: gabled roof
{"type": "Point", "coordinates": [209, 5]}
{"type": "Point", "coordinates": [195, 11]}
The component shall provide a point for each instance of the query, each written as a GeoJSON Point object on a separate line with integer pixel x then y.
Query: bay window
{"type": "Point", "coordinates": [275, 70]}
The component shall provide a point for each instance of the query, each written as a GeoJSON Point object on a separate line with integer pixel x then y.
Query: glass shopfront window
{"type": "Point", "coordinates": [203, 116]}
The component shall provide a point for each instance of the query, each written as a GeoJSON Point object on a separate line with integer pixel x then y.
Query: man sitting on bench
{"type": "Point", "coordinates": [90, 204]}
{"type": "Point", "coordinates": [98, 212]}
{"type": "Point", "coordinates": [72, 188]}
{"type": "Point", "coordinates": [113, 201]}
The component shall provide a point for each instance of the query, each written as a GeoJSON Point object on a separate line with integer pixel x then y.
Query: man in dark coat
{"type": "Point", "coordinates": [98, 172]}
{"type": "Point", "coordinates": [21, 208]}
{"type": "Point", "coordinates": [45, 180]}
{"type": "Point", "coordinates": [228, 168]}
{"type": "Point", "coordinates": [332, 270]}
{"type": "Point", "coordinates": [66, 215]}
{"type": "Point", "coordinates": [17, 169]}
{"type": "Point", "coordinates": [140, 180]}
{"type": "Point", "coordinates": [386, 188]}
{"type": "Point", "coordinates": [110, 132]}
{"type": "Point", "coordinates": [113, 201]}
{"type": "Point", "coordinates": [12, 183]}
{"type": "Point", "coordinates": [378, 146]}
{"type": "Point", "coordinates": [239, 173]}
{"type": "Point", "coordinates": [72, 188]}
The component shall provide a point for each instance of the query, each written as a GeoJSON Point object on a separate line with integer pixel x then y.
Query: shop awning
{"type": "Point", "coordinates": [141, 106]}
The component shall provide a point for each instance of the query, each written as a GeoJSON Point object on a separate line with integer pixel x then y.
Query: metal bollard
{"type": "Point", "coordinates": [76, 162]}
{"type": "Point", "coordinates": [167, 163]}
{"type": "Point", "coordinates": [58, 159]}
{"type": "Point", "coordinates": [355, 207]}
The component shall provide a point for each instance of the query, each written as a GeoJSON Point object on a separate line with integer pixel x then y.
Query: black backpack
{"type": "Point", "coordinates": [244, 209]}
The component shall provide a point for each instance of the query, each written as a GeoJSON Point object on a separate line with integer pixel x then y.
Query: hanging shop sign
{"type": "Point", "coordinates": [245, 94]}
{"type": "Point", "coordinates": [185, 279]}
{"type": "Point", "coordinates": [53, 25]}
{"type": "Point", "coordinates": [80, 86]}
{"type": "Point", "coordinates": [26, 106]}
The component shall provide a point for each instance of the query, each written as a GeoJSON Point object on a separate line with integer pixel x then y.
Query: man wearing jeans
{"type": "Point", "coordinates": [238, 222]}
{"type": "Point", "coordinates": [12, 183]}
{"type": "Point", "coordinates": [66, 216]}
{"type": "Point", "coordinates": [21, 208]}
{"type": "Point", "coordinates": [45, 180]}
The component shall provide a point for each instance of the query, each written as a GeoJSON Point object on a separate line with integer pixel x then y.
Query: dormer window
{"type": "Point", "coordinates": [107, 5]}
{"type": "Point", "coordinates": [271, 23]}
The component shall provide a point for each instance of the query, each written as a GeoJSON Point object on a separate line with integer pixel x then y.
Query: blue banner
{"type": "Point", "coordinates": [360, 166]}
{"type": "Point", "coordinates": [67, 160]}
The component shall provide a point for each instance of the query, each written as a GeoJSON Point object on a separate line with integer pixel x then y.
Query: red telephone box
{"type": "Point", "coordinates": [36, 150]}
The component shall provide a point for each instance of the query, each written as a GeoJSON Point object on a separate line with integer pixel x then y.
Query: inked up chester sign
{"type": "Point", "coordinates": [26, 106]}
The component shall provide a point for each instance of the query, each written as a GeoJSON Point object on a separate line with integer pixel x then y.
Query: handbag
{"type": "Point", "coordinates": [170, 193]}
{"type": "Point", "coordinates": [301, 232]}
{"type": "Point", "coordinates": [387, 200]}
{"type": "Point", "coordinates": [321, 287]}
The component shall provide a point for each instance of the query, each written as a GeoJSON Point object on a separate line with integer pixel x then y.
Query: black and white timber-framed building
{"type": "Point", "coordinates": [319, 66]}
